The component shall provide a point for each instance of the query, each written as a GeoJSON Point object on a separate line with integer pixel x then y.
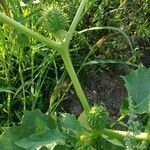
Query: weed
{"type": "Point", "coordinates": [60, 131]}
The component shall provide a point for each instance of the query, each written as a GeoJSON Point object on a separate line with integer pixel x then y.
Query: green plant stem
{"type": "Point", "coordinates": [110, 28]}
{"type": "Point", "coordinates": [75, 21]}
{"type": "Point", "coordinates": [122, 134]}
{"type": "Point", "coordinates": [9, 107]}
{"type": "Point", "coordinates": [52, 44]}
{"type": "Point", "coordinates": [62, 48]}
{"type": "Point", "coordinates": [68, 63]}
{"type": "Point", "coordinates": [23, 88]}
{"type": "Point", "coordinates": [148, 125]}
{"type": "Point", "coordinates": [53, 97]}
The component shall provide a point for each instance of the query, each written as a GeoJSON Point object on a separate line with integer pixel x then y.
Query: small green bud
{"type": "Point", "coordinates": [56, 21]}
{"type": "Point", "coordinates": [98, 117]}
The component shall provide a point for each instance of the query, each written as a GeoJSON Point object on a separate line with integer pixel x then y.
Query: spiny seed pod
{"type": "Point", "coordinates": [56, 21]}
{"type": "Point", "coordinates": [98, 117]}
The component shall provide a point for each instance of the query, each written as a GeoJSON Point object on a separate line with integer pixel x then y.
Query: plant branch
{"type": "Point", "coordinates": [61, 48]}
{"type": "Point", "coordinates": [52, 44]}
{"type": "Point", "coordinates": [122, 134]}
{"type": "Point", "coordinates": [68, 64]}
{"type": "Point", "coordinates": [110, 28]}
{"type": "Point", "coordinates": [75, 21]}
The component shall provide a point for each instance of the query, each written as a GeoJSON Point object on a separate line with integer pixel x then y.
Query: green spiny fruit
{"type": "Point", "coordinates": [56, 21]}
{"type": "Point", "coordinates": [98, 117]}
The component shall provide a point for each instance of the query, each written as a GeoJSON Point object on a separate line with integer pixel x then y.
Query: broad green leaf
{"type": "Point", "coordinates": [114, 141]}
{"type": "Point", "coordinates": [83, 120]}
{"type": "Point", "coordinates": [7, 144]}
{"type": "Point", "coordinates": [38, 122]}
{"type": "Point", "coordinates": [33, 123]}
{"type": "Point", "coordinates": [69, 122]}
{"type": "Point", "coordinates": [106, 142]}
{"type": "Point", "coordinates": [138, 87]}
{"type": "Point", "coordinates": [49, 137]}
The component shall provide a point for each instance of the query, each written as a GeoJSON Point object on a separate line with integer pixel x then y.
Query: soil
{"type": "Point", "coordinates": [104, 88]}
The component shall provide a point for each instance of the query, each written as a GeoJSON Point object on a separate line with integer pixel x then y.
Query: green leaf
{"type": "Point", "coordinates": [83, 120]}
{"type": "Point", "coordinates": [7, 89]}
{"type": "Point", "coordinates": [2, 37]}
{"type": "Point", "coordinates": [57, 147]}
{"type": "Point", "coordinates": [33, 123]}
{"type": "Point", "coordinates": [114, 141]}
{"type": "Point", "coordinates": [124, 110]}
{"type": "Point", "coordinates": [69, 122]}
{"type": "Point", "coordinates": [83, 146]}
{"type": "Point", "coordinates": [106, 142]}
{"type": "Point", "coordinates": [138, 87]}
{"type": "Point", "coordinates": [51, 138]}
{"type": "Point", "coordinates": [7, 144]}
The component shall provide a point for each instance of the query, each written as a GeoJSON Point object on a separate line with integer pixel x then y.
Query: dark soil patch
{"type": "Point", "coordinates": [101, 88]}
{"type": "Point", "coordinates": [105, 87]}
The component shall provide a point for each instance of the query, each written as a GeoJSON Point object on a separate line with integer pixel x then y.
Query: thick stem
{"type": "Point", "coordinates": [122, 134]}
{"type": "Point", "coordinates": [52, 44]}
{"type": "Point", "coordinates": [57, 46]}
{"type": "Point", "coordinates": [75, 21]}
{"type": "Point", "coordinates": [68, 64]}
